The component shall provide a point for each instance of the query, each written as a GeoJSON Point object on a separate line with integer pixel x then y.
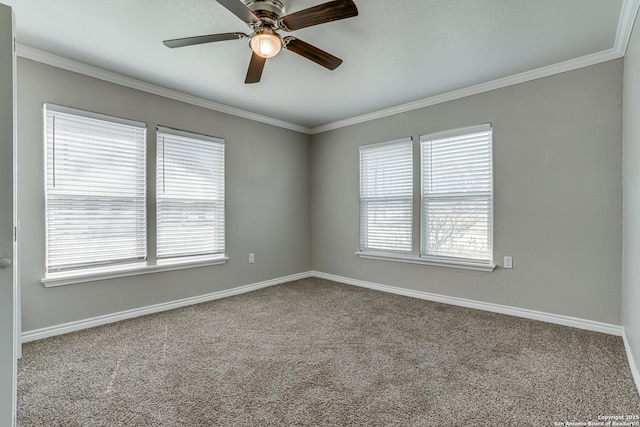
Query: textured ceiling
{"type": "Point", "coordinates": [394, 52]}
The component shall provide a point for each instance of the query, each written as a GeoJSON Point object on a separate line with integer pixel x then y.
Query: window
{"type": "Point", "coordinates": [96, 201]}
{"type": "Point", "coordinates": [457, 194]}
{"type": "Point", "coordinates": [190, 195]}
{"type": "Point", "coordinates": [95, 190]}
{"type": "Point", "coordinates": [386, 196]}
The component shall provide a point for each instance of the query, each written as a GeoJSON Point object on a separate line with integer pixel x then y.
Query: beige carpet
{"type": "Point", "coordinates": [314, 352]}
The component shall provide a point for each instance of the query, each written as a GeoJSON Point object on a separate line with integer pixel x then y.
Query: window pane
{"type": "Point", "coordinates": [190, 195]}
{"type": "Point", "coordinates": [95, 204]}
{"type": "Point", "coordinates": [386, 190]}
{"type": "Point", "coordinates": [458, 227]}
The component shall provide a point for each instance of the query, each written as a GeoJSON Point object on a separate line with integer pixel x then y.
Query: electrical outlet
{"type": "Point", "coordinates": [252, 258]}
{"type": "Point", "coordinates": [508, 262]}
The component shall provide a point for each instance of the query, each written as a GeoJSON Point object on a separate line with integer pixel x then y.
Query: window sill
{"type": "Point", "coordinates": [62, 279]}
{"type": "Point", "coordinates": [465, 265]}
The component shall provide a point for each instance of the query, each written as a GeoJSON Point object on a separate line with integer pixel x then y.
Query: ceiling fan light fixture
{"type": "Point", "coordinates": [266, 45]}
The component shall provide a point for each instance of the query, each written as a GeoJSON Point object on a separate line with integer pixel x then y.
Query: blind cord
{"type": "Point", "coordinates": [53, 162]}
{"type": "Point", "coordinates": [164, 189]}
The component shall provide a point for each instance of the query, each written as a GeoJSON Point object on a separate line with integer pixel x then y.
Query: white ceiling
{"type": "Point", "coordinates": [395, 52]}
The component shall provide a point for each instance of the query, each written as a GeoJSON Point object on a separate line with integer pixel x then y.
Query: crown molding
{"type": "Point", "coordinates": [628, 16]}
{"type": "Point", "coordinates": [38, 55]}
{"type": "Point", "coordinates": [562, 67]}
{"type": "Point", "coordinates": [629, 11]}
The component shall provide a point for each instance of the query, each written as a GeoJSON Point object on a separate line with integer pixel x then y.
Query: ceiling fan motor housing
{"type": "Point", "coordinates": [267, 10]}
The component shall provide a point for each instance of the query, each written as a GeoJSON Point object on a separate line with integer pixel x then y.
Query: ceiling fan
{"type": "Point", "coordinates": [265, 18]}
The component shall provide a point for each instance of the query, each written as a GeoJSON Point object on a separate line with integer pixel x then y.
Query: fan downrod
{"type": "Point", "coordinates": [269, 11]}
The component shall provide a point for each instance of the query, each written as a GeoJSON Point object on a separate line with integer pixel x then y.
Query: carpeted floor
{"type": "Point", "coordinates": [314, 352]}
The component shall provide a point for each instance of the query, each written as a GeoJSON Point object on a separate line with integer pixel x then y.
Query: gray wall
{"type": "Point", "coordinates": [267, 198]}
{"type": "Point", "coordinates": [558, 200]}
{"type": "Point", "coordinates": [631, 207]}
{"type": "Point", "coordinates": [7, 345]}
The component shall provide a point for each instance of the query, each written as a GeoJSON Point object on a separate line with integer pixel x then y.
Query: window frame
{"type": "Point", "coordinates": [415, 256]}
{"type": "Point", "coordinates": [50, 168]}
{"type": "Point", "coordinates": [220, 142]}
{"type": "Point", "coordinates": [424, 229]}
{"type": "Point", "coordinates": [150, 263]}
{"type": "Point", "coordinates": [368, 249]}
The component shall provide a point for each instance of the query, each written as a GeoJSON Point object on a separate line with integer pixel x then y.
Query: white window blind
{"type": "Point", "coordinates": [95, 190]}
{"type": "Point", "coordinates": [386, 196]}
{"type": "Point", "coordinates": [457, 194]}
{"type": "Point", "coordinates": [190, 195]}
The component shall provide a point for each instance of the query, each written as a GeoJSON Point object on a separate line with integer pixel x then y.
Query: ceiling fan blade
{"type": "Point", "coordinates": [254, 73]}
{"type": "Point", "coordinates": [238, 8]}
{"type": "Point", "coordinates": [312, 53]}
{"type": "Point", "coordinates": [326, 12]}
{"type": "Point", "coordinates": [190, 41]}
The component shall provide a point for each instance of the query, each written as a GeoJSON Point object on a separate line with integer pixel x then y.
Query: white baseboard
{"type": "Point", "coordinates": [496, 308]}
{"type": "Point", "coordinates": [635, 372]}
{"type": "Point", "coordinates": [574, 322]}
{"type": "Point", "coordinates": [137, 312]}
